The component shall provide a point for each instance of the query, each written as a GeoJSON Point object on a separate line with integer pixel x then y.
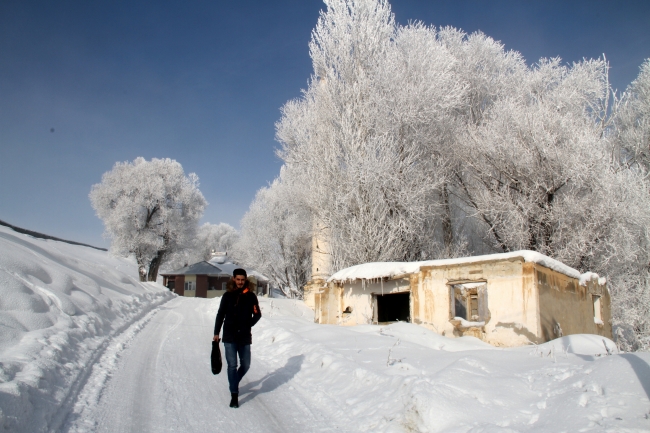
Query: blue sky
{"type": "Point", "coordinates": [202, 82]}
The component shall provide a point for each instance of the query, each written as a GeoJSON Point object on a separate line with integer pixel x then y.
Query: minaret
{"type": "Point", "coordinates": [320, 263]}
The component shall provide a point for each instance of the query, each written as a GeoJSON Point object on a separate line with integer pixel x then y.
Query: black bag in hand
{"type": "Point", "coordinates": [215, 358]}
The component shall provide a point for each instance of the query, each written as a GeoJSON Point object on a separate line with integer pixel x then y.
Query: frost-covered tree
{"type": "Point", "coordinates": [487, 73]}
{"type": "Point", "coordinates": [413, 142]}
{"type": "Point", "coordinates": [365, 137]}
{"type": "Point", "coordinates": [215, 237]}
{"type": "Point", "coordinates": [209, 238]}
{"type": "Point", "coordinates": [631, 278]}
{"type": "Point", "coordinates": [536, 154]}
{"type": "Point", "coordinates": [150, 209]}
{"type": "Point", "coordinates": [276, 237]}
{"type": "Point", "coordinates": [633, 121]}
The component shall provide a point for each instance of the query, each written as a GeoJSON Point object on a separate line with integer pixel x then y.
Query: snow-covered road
{"type": "Point", "coordinates": [159, 380]}
{"type": "Point", "coordinates": [155, 377]}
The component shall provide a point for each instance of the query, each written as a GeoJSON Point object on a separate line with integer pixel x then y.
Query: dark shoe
{"type": "Point", "coordinates": [234, 401]}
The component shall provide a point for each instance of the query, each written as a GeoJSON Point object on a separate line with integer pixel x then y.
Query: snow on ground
{"type": "Point", "coordinates": [149, 371]}
{"type": "Point", "coordinates": [324, 378]}
{"type": "Point", "coordinates": [59, 306]}
{"type": "Point", "coordinates": [403, 377]}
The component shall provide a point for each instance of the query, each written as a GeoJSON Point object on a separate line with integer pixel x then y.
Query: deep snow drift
{"type": "Point", "coordinates": [119, 363]}
{"type": "Point", "coordinates": [59, 304]}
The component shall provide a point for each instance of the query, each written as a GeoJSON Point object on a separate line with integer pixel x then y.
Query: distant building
{"type": "Point", "coordinates": [506, 299]}
{"type": "Point", "coordinates": [208, 279]}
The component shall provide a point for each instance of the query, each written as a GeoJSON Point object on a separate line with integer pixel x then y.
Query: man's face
{"type": "Point", "coordinates": [240, 280]}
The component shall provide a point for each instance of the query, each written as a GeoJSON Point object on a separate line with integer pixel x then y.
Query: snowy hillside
{"type": "Point", "coordinates": [59, 305]}
{"type": "Point", "coordinates": [85, 349]}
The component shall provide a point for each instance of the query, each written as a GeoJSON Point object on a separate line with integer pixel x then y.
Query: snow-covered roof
{"type": "Point", "coordinates": [377, 270]}
{"type": "Point", "coordinates": [200, 268]}
{"type": "Point", "coordinates": [229, 267]}
{"type": "Point", "coordinates": [214, 268]}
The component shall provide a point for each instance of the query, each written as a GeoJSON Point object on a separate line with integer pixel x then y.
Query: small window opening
{"type": "Point", "coordinates": [348, 310]}
{"type": "Point", "coordinates": [224, 286]}
{"type": "Point", "coordinates": [598, 318]}
{"type": "Point", "coordinates": [469, 301]}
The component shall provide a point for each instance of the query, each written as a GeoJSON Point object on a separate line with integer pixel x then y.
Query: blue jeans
{"type": "Point", "coordinates": [235, 374]}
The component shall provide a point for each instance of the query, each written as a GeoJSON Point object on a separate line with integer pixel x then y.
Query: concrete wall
{"type": "Point", "coordinates": [328, 303]}
{"type": "Point", "coordinates": [568, 308]}
{"type": "Point", "coordinates": [357, 297]}
{"type": "Point", "coordinates": [511, 316]}
{"type": "Point", "coordinates": [519, 304]}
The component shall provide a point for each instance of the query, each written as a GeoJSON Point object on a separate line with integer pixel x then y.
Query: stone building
{"type": "Point", "coordinates": [506, 299]}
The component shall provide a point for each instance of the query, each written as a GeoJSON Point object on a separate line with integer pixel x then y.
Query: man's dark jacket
{"type": "Point", "coordinates": [238, 312]}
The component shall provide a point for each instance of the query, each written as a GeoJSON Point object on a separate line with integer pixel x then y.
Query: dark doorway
{"type": "Point", "coordinates": [394, 307]}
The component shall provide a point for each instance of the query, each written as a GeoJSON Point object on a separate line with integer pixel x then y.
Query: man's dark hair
{"type": "Point", "coordinates": [239, 271]}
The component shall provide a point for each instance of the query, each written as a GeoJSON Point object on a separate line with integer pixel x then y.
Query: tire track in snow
{"type": "Point", "coordinates": [99, 371]}
{"type": "Point", "coordinates": [158, 379]}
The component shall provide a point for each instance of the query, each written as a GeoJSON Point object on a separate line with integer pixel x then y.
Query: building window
{"type": "Point", "coordinates": [469, 302]}
{"type": "Point", "coordinates": [189, 285]}
{"type": "Point", "coordinates": [598, 318]}
{"type": "Point", "coordinates": [224, 286]}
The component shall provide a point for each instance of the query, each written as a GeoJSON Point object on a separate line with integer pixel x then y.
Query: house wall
{"type": "Point", "coordinates": [567, 308]}
{"type": "Point", "coordinates": [511, 300]}
{"type": "Point", "coordinates": [179, 285]}
{"type": "Point", "coordinates": [201, 286]}
{"type": "Point", "coordinates": [190, 293]}
{"type": "Point", "coordinates": [523, 302]}
{"type": "Point", "coordinates": [357, 296]}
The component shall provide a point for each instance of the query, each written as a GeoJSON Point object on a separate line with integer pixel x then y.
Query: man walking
{"type": "Point", "coordinates": [238, 312]}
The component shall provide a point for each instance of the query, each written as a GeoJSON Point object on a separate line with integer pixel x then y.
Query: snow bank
{"type": "Point", "coordinates": [59, 304]}
{"type": "Point", "coordinates": [402, 377]}
{"type": "Point", "coordinates": [581, 344]}
{"type": "Point", "coordinates": [377, 270]}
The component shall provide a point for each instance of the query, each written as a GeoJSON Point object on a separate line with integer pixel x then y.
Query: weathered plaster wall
{"type": "Point", "coordinates": [311, 289]}
{"type": "Point", "coordinates": [357, 296]}
{"type": "Point", "coordinates": [567, 307]}
{"type": "Point", "coordinates": [328, 304]}
{"type": "Point", "coordinates": [525, 301]}
{"type": "Point", "coordinates": [511, 300]}
{"type": "Point", "coordinates": [215, 293]}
